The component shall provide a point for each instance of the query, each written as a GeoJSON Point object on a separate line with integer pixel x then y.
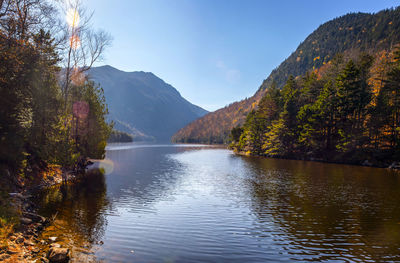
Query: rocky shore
{"type": "Point", "coordinates": [24, 243]}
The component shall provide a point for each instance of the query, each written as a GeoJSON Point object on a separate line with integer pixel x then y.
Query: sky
{"type": "Point", "coordinates": [214, 52]}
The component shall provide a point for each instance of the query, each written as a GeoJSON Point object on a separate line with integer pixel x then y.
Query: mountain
{"type": "Point", "coordinates": [144, 105]}
{"type": "Point", "coordinates": [355, 32]}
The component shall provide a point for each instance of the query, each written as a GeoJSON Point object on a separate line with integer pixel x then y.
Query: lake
{"type": "Point", "coordinates": [194, 203]}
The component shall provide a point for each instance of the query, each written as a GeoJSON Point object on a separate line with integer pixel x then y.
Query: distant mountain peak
{"type": "Point", "coordinates": [143, 104]}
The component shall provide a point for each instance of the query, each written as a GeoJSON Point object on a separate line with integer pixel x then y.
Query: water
{"type": "Point", "coordinates": [204, 204]}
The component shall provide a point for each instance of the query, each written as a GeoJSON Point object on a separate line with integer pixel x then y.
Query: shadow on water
{"type": "Point", "coordinates": [328, 211]}
{"type": "Point", "coordinates": [79, 214]}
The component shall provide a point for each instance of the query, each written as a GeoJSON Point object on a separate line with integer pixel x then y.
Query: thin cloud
{"type": "Point", "coordinates": [231, 75]}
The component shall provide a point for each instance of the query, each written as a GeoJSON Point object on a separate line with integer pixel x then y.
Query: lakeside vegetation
{"type": "Point", "coordinates": [120, 136]}
{"type": "Point", "coordinates": [52, 117]}
{"type": "Point", "coordinates": [361, 32]}
{"type": "Point", "coordinates": [347, 111]}
{"type": "Point", "coordinates": [48, 115]}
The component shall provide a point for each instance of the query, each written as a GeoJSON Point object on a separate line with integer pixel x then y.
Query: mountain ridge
{"type": "Point", "coordinates": [354, 31]}
{"type": "Point", "coordinates": [143, 104]}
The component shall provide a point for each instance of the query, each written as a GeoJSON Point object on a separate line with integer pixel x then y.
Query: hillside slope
{"type": "Point", "coordinates": [144, 105]}
{"type": "Point", "coordinates": [351, 32]}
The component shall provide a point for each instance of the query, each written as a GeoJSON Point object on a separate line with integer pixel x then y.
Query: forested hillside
{"type": "Point", "coordinates": [348, 111]}
{"type": "Point", "coordinates": [350, 33]}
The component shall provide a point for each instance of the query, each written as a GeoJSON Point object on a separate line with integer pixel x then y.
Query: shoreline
{"type": "Point", "coordinates": [366, 163]}
{"type": "Point", "coordinates": [22, 240]}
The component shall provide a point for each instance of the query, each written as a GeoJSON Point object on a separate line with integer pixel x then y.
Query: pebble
{"type": "Point", "coordinates": [58, 254]}
{"type": "Point", "coordinates": [29, 243]}
{"type": "Point", "coordinates": [55, 245]}
{"type": "Point", "coordinates": [19, 240]}
{"type": "Point", "coordinates": [52, 239]}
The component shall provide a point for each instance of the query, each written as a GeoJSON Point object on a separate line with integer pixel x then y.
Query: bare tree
{"type": "Point", "coordinates": [83, 45]}
{"type": "Point", "coordinates": [21, 19]}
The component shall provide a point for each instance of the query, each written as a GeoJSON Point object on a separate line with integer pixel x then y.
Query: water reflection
{"type": "Point", "coordinates": [79, 215]}
{"type": "Point", "coordinates": [201, 204]}
{"type": "Point", "coordinates": [328, 211]}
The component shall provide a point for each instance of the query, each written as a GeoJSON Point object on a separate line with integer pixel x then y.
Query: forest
{"type": "Point", "coordinates": [50, 113]}
{"type": "Point", "coordinates": [346, 111]}
{"type": "Point", "coordinates": [362, 32]}
{"type": "Point", "coordinates": [120, 136]}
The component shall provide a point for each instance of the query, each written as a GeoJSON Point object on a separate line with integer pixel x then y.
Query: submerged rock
{"type": "Point", "coordinates": [26, 221]}
{"type": "Point", "coordinates": [34, 217]}
{"type": "Point", "coordinates": [58, 255]}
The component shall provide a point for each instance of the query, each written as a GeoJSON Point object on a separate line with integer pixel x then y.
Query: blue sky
{"type": "Point", "coordinates": [213, 52]}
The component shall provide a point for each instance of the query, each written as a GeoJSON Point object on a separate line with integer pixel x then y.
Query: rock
{"type": "Point", "coordinates": [44, 260]}
{"type": "Point", "coordinates": [12, 238]}
{"type": "Point", "coordinates": [52, 239]}
{"type": "Point", "coordinates": [18, 195]}
{"type": "Point", "coordinates": [55, 245]}
{"type": "Point", "coordinates": [366, 163]}
{"type": "Point", "coordinates": [42, 242]}
{"type": "Point", "coordinates": [4, 257]}
{"type": "Point", "coordinates": [394, 165]}
{"type": "Point", "coordinates": [58, 255]}
{"type": "Point", "coordinates": [34, 217]}
{"type": "Point", "coordinates": [11, 252]}
{"type": "Point", "coordinates": [28, 243]}
{"type": "Point", "coordinates": [36, 250]}
{"type": "Point", "coordinates": [19, 240]}
{"type": "Point", "coordinates": [26, 221]}
{"type": "Point", "coordinates": [84, 251]}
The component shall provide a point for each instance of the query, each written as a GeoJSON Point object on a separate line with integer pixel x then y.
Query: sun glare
{"type": "Point", "coordinates": [72, 17]}
{"type": "Point", "coordinates": [75, 42]}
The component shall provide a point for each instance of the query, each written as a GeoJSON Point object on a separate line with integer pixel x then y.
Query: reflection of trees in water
{"type": "Point", "coordinates": [329, 211]}
{"type": "Point", "coordinates": [80, 207]}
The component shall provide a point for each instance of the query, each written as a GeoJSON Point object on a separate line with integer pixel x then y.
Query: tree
{"type": "Point", "coordinates": [82, 47]}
